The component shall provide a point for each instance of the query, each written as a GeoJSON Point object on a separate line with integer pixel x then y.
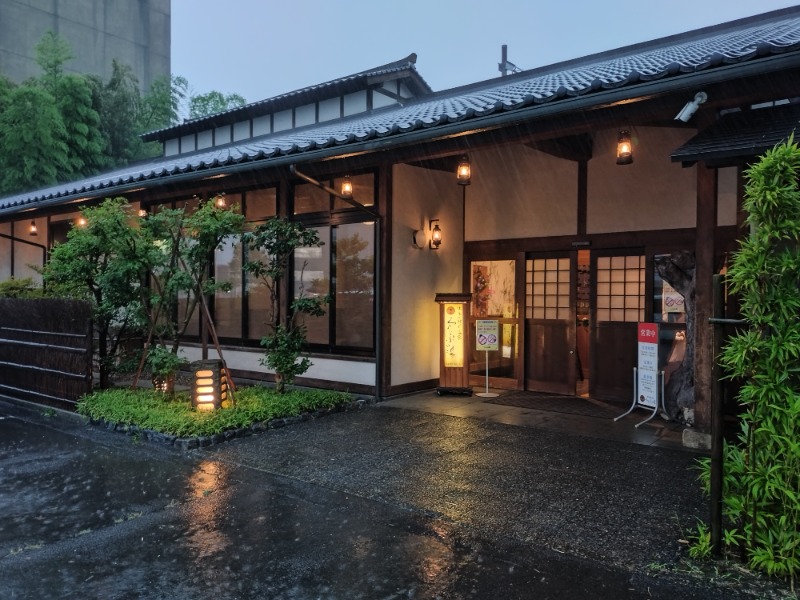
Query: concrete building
{"type": "Point", "coordinates": [134, 32]}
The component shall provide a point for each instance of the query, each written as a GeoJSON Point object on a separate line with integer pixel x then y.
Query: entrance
{"type": "Point", "coordinates": [551, 358]}
{"type": "Point", "coordinates": [494, 285]}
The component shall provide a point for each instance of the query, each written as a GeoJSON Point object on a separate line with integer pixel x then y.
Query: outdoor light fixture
{"type": "Point", "coordinates": [80, 222]}
{"type": "Point", "coordinates": [142, 213]}
{"type": "Point", "coordinates": [210, 389]}
{"type": "Point", "coordinates": [347, 187]}
{"type": "Point", "coordinates": [624, 148]}
{"type": "Point", "coordinates": [436, 234]}
{"type": "Point", "coordinates": [464, 171]}
{"type": "Point", "coordinates": [691, 107]}
{"type": "Point", "coordinates": [220, 201]}
{"type": "Point", "coordinates": [33, 231]}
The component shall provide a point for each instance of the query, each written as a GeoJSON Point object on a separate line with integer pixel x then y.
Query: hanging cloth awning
{"type": "Point", "coordinates": [740, 136]}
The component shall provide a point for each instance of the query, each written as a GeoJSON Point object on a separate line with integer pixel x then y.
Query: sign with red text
{"type": "Point", "coordinates": [647, 372]}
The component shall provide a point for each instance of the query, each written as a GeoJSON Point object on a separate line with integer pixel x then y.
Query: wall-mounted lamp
{"type": "Point", "coordinates": [436, 234]}
{"type": "Point", "coordinates": [464, 171]}
{"type": "Point", "coordinates": [347, 187]}
{"type": "Point", "coordinates": [624, 148]}
{"type": "Point", "coordinates": [80, 222]}
{"type": "Point", "coordinates": [691, 107]}
{"type": "Point", "coordinates": [220, 201]}
{"type": "Point", "coordinates": [142, 213]}
{"type": "Point", "coordinates": [33, 231]}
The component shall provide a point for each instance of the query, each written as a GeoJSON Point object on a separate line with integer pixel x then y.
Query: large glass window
{"type": "Point", "coordinates": [312, 277]}
{"type": "Point", "coordinates": [354, 262]}
{"type": "Point", "coordinates": [344, 269]}
{"type": "Point", "coordinates": [228, 304]}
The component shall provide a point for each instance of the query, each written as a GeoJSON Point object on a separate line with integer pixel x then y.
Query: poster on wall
{"type": "Point", "coordinates": [671, 300]}
{"type": "Point", "coordinates": [647, 372]}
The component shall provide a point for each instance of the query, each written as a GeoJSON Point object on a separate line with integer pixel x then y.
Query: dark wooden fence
{"type": "Point", "coordinates": [45, 350]}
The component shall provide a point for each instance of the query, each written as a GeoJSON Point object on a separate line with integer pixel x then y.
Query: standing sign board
{"type": "Point", "coordinates": [648, 365]}
{"type": "Point", "coordinates": [487, 334]}
{"type": "Point", "coordinates": [454, 343]}
{"type": "Point", "coordinates": [645, 374]}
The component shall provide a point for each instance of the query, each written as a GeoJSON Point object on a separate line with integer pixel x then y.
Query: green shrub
{"type": "Point", "coordinates": [20, 288]}
{"type": "Point", "coordinates": [761, 491]}
{"type": "Point", "coordinates": [175, 416]}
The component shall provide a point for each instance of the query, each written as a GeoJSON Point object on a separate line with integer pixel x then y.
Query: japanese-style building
{"type": "Point", "coordinates": [555, 234]}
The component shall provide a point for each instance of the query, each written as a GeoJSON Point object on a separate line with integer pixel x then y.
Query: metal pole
{"type": "Point", "coordinates": [716, 421]}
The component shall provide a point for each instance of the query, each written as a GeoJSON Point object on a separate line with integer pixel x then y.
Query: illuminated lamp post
{"type": "Point", "coordinates": [210, 387]}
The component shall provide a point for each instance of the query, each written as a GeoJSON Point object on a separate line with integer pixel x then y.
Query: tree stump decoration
{"type": "Point", "coordinates": [678, 270]}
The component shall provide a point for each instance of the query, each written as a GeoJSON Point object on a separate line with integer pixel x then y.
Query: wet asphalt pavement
{"type": "Point", "coordinates": [383, 503]}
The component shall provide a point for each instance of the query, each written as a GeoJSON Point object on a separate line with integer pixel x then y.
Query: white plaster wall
{"type": "Point", "coordinates": [330, 109]}
{"type": "Point", "coordinates": [205, 139]}
{"type": "Point", "coordinates": [188, 143]}
{"type": "Point", "coordinates": [241, 130]}
{"type": "Point", "coordinates": [325, 369]}
{"type": "Point", "coordinates": [417, 275]}
{"type": "Point", "coordinates": [282, 120]}
{"type": "Point", "coordinates": [261, 125]}
{"type": "Point", "coordinates": [651, 193]}
{"type": "Point", "coordinates": [355, 103]}
{"type": "Point", "coordinates": [172, 147]}
{"type": "Point", "coordinates": [305, 115]}
{"type": "Point", "coordinates": [222, 135]}
{"type": "Point", "coordinates": [518, 192]}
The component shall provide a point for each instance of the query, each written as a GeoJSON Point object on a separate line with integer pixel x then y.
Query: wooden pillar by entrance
{"type": "Point", "coordinates": [704, 272]}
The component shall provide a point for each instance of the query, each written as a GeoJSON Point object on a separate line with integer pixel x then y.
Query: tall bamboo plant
{"type": "Point", "coordinates": [762, 483]}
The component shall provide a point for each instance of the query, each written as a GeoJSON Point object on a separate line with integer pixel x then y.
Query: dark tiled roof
{"type": "Point", "coordinates": [406, 64]}
{"type": "Point", "coordinates": [733, 43]}
{"type": "Point", "coordinates": [741, 135]}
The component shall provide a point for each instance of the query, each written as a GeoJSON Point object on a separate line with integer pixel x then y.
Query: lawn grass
{"type": "Point", "coordinates": [147, 409]}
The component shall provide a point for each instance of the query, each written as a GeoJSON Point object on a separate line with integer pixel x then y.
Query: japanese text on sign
{"type": "Point", "coordinates": [453, 335]}
{"type": "Point", "coordinates": [648, 365]}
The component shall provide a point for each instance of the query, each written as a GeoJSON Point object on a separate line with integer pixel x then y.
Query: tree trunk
{"type": "Point", "coordinates": [678, 269]}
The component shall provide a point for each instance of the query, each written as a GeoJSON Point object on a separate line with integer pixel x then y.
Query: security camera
{"type": "Point", "coordinates": [691, 107]}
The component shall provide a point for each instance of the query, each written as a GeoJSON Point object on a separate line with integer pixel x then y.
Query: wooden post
{"type": "Point", "coordinates": [704, 272]}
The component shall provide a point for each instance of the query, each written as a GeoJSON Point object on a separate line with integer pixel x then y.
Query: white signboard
{"type": "Point", "coordinates": [648, 365]}
{"type": "Point", "coordinates": [487, 334]}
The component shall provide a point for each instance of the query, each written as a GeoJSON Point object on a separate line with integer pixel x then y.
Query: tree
{"type": "Point", "coordinates": [104, 262]}
{"type": "Point", "coordinates": [276, 240]}
{"type": "Point", "coordinates": [33, 150]}
{"type": "Point", "coordinates": [119, 101]}
{"type": "Point", "coordinates": [181, 248]}
{"type": "Point", "coordinates": [52, 52]}
{"type": "Point", "coordinates": [85, 142]}
{"type": "Point", "coordinates": [203, 105]}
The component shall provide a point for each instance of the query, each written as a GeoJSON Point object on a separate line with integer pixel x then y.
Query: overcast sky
{"type": "Point", "coordinates": [263, 48]}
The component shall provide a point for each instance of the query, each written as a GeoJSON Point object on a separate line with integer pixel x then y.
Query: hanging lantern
{"type": "Point", "coordinates": [624, 148]}
{"type": "Point", "coordinates": [347, 187]}
{"type": "Point", "coordinates": [464, 171]}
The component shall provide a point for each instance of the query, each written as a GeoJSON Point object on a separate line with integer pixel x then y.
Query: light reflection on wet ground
{"type": "Point", "coordinates": [89, 514]}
